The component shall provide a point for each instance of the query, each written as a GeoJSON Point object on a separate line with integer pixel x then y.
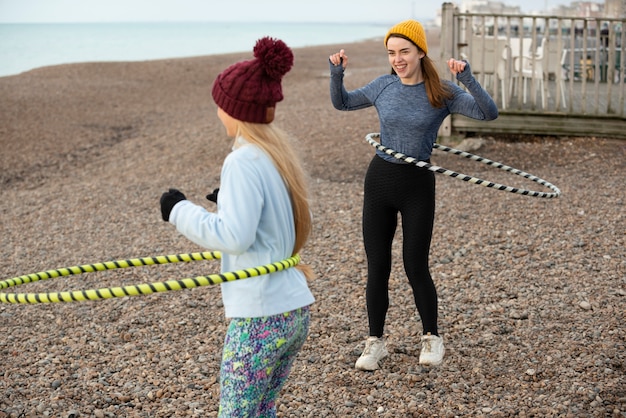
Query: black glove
{"type": "Point", "coordinates": [213, 196]}
{"type": "Point", "coordinates": [168, 201]}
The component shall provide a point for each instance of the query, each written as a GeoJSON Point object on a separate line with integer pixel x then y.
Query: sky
{"type": "Point", "coordinates": [383, 11]}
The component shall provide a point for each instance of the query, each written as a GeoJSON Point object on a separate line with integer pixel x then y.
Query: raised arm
{"type": "Point", "coordinates": [339, 96]}
{"type": "Point", "coordinates": [478, 104]}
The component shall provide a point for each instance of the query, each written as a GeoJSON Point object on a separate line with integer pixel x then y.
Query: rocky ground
{"type": "Point", "coordinates": [532, 290]}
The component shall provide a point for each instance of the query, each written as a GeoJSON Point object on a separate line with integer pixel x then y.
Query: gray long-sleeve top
{"type": "Point", "coordinates": [408, 122]}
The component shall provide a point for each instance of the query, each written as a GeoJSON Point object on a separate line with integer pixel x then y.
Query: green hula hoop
{"type": "Point", "coordinates": [133, 290]}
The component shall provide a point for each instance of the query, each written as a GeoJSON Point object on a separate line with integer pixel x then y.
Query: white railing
{"type": "Point", "coordinates": [543, 64]}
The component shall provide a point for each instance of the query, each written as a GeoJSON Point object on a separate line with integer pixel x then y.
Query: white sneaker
{"type": "Point", "coordinates": [432, 350]}
{"type": "Point", "coordinates": [374, 351]}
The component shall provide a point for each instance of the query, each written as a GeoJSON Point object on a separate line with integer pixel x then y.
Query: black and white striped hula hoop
{"type": "Point", "coordinates": [370, 138]}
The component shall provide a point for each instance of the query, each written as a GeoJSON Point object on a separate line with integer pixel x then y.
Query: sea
{"type": "Point", "coordinates": [25, 46]}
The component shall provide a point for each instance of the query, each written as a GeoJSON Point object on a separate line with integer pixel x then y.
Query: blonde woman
{"type": "Point", "coordinates": [262, 216]}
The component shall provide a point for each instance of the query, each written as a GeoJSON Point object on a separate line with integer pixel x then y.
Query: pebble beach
{"type": "Point", "coordinates": [532, 291]}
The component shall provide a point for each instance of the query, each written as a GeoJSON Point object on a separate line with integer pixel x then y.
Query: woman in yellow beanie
{"type": "Point", "coordinates": [411, 102]}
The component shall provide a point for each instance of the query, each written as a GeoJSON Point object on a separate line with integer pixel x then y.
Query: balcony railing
{"type": "Point", "coordinates": [567, 72]}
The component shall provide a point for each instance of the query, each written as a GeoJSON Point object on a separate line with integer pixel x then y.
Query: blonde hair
{"type": "Point", "coordinates": [276, 143]}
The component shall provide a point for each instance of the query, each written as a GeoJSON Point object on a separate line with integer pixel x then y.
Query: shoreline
{"type": "Point", "coordinates": [198, 54]}
{"type": "Point", "coordinates": [109, 42]}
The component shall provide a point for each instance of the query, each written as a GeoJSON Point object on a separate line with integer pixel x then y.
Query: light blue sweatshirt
{"type": "Point", "coordinates": [253, 226]}
{"type": "Point", "coordinates": [408, 122]}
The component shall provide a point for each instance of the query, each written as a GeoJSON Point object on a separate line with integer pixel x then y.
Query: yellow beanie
{"type": "Point", "coordinates": [413, 30]}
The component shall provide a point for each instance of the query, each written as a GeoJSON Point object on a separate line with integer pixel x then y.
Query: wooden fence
{"type": "Point", "coordinates": [549, 75]}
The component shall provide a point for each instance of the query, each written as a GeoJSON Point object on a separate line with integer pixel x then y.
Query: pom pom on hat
{"type": "Point", "coordinates": [249, 90]}
{"type": "Point", "coordinates": [413, 30]}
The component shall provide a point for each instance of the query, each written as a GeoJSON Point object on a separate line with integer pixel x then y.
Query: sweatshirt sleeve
{"type": "Point", "coordinates": [340, 97]}
{"type": "Point", "coordinates": [233, 228]}
{"type": "Point", "coordinates": [474, 103]}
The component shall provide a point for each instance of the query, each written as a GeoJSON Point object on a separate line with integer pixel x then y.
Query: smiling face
{"type": "Point", "coordinates": [404, 58]}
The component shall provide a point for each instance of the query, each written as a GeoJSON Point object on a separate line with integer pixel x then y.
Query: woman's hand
{"type": "Point", "coordinates": [339, 58]}
{"type": "Point", "coordinates": [456, 66]}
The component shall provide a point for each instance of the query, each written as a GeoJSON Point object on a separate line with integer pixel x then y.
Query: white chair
{"type": "Point", "coordinates": [531, 68]}
{"type": "Point", "coordinates": [506, 74]}
{"type": "Point", "coordinates": [483, 57]}
{"type": "Point", "coordinates": [520, 47]}
{"type": "Point", "coordinates": [508, 70]}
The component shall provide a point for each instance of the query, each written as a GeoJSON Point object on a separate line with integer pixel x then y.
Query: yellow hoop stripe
{"type": "Point", "coordinates": [133, 290]}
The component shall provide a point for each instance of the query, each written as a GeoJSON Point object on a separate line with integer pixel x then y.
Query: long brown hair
{"type": "Point", "coordinates": [436, 90]}
{"type": "Point", "coordinates": [276, 143]}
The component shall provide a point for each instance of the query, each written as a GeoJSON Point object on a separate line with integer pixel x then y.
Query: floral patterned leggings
{"type": "Point", "coordinates": [256, 361]}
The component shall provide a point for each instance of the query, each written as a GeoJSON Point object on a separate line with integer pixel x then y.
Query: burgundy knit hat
{"type": "Point", "coordinates": [249, 90]}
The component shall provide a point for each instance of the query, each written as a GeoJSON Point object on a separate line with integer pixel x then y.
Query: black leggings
{"type": "Point", "coordinates": [391, 188]}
